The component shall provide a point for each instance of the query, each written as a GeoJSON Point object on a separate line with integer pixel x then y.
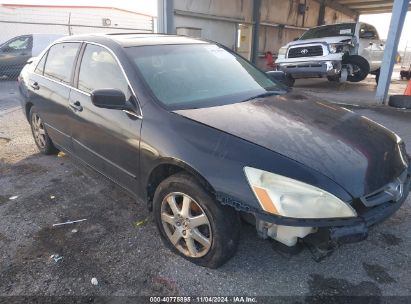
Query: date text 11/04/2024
{"type": "Point", "coordinates": [203, 299]}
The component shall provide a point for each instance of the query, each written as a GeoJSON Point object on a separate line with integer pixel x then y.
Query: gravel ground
{"type": "Point", "coordinates": [129, 259]}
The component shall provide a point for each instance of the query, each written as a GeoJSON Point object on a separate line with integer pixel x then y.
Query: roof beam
{"type": "Point", "coordinates": [339, 7]}
{"type": "Point", "coordinates": [376, 10]}
{"type": "Point", "coordinates": [349, 2]}
{"type": "Point", "coordinates": [371, 4]}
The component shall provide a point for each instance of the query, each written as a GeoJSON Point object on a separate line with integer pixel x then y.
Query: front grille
{"type": "Point", "coordinates": [393, 191]}
{"type": "Point", "coordinates": [305, 51]}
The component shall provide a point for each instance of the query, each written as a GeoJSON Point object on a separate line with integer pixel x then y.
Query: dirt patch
{"type": "Point", "coordinates": [378, 273]}
{"type": "Point", "coordinates": [390, 239]}
{"type": "Point", "coordinates": [322, 288]}
{"type": "Point", "coordinates": [21, 169]}
{"type": "Point", "coordinates": [4, 140]}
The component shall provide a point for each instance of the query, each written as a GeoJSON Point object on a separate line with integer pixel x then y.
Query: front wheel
{"type": "Point", "coordinates": [41, 137]}
{"type": "Point", "coordinates": [192, 224]}
{"type": "Point", "coordinates": [360, 68]}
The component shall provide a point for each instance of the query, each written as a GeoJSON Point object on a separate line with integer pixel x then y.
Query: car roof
{"type": "Point", "coordinates": [135, 39]}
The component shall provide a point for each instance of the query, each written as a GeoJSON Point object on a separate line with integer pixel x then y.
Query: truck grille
{"type": "Point", "coordinates": [305, 51]}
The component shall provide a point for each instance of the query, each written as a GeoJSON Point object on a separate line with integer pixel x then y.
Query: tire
{"type": "Point", "coordinates": [40, 135]}
{"type": "Point", "coordinates": [400, 101]}
{"type": "Point", "coordinates": [360, 63]}
{"type": "Point", "coordinates": [377, 75]}
{"type": "Point", "coordinates": [220, 225]}
{"type": "Point", "coordinates": [333, 78]}
{"type": "Point", "coordinates": [289, 81]}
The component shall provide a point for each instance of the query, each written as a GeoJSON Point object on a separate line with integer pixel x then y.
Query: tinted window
{"type": "Point", "coordinates": [198, 75]}
{"type": "Point", "coordinates": [344, 29]}
{"type": "Point", "coordinates": [100, 70]}
{"type": "Point", "coordinates": [60, 61]}
{"type": "Point", "coordinates": [40, 66]}
{"type": "Point", "coordinates": [19, 44]}
{"type": "Point", "coordinates": [370, 30]}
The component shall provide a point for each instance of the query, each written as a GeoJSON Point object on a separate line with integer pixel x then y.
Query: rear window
{"type": "Point", "coordinates": [60, 61]}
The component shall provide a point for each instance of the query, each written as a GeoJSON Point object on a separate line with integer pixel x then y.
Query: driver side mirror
{"type": "Point", "coordinates": [297, 38]}
{"type": "Point", "coordinates": [109, 99]}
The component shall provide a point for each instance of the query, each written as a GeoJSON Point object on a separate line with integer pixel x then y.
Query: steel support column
{"type": "Point", "coordinates": [256, 30]}
{"type": "Point", "coordinates": [166, 16]}
{"type": "Point", "coordinates": [399, 11]}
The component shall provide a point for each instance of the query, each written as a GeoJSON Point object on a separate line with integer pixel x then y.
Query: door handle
{"type": "Point", "coordinates": [35, 86]}
{"type": "Point", "coordinates": [371, 43]}
{"type": "Point", "coordinates": [76, 106]}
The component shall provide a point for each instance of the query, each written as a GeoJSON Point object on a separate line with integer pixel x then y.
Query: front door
{"type": "Point", "coordinates": [108, 140]}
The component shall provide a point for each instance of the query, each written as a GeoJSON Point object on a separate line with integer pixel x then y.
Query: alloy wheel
{"type": "Point", "coordinates": [186, 225]}
{"type": "Point", "coordinates": [39, 131]}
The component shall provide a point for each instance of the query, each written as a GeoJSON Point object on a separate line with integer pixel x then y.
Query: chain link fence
{"type": "Point", "coordinates": [26, 30]}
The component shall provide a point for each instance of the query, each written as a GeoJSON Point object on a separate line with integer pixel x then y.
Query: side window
{"type": "Point", "coordinates": [40, 66]}
{"type": "Point", "coordinates": [374, 31]}
{"type": "Point", "coordinates": [23, 43]}
{"type": "Point", "coordinates": [363, 29]}
{"type": "Point", "coordinates": [100, 70]}
{"type": "Point", "coordinates": [60, 61]}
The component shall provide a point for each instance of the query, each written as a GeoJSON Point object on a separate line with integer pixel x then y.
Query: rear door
{"type": "Point", "coordinates": [377, 49]}
{"type": "Point", "coordinates": [14, 55]}
{"type": "Point", "coordinates": [365, 44]}
{"type": "Point", "coordinates": [50, 87]}
{"type": "Point", "coordinates": [108, 140]}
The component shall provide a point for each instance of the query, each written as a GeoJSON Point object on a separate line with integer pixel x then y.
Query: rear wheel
{"type": "Point", "coordinates": [193, 224]}
{"type": "Point", "coordinates": [360, 66]}
{"type": "Point", "coordinates": [377, 75]}
{"type": "Point", "coordinates": [41, 137]}
{"type": "Point", "coordinates": [289, 81]}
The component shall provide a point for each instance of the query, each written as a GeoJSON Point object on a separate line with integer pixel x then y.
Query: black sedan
{"type": "Point", "coordinates": [205, 139]}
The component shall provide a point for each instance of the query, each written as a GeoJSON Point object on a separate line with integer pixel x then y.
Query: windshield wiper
{"type": "Point", "coordinates": [262, 95]}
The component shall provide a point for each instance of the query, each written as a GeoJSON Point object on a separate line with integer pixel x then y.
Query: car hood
{"type": "Point", "coordinates": [335, 39]}
{"type": "Point", "coordinates": [355, 152]}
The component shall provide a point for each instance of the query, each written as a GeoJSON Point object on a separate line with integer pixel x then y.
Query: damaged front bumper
{"type": "Point", "coordinates": [329, 233]}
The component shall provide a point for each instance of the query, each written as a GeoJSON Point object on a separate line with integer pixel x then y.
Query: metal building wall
{"type": "Point", "coordinates": [280, 20]}
{"type": "Point", "coordinates": [20, 20]}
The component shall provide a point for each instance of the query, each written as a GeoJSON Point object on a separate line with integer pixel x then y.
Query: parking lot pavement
{"type": "Point", "coordinates": [128, 258]}
{"type": "Point", "coordinates": [8, 95]}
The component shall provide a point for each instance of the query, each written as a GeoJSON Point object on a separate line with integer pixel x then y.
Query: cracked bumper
{"type": "Point", "coordinates": [309, 69]}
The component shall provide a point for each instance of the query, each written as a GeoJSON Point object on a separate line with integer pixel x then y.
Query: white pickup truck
{"type": "Point", "coordinates": [340, 52]}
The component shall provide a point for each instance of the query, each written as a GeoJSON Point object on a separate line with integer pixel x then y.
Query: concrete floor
{"type": "Point", "coordinates": [129, 259]}
{"type": "Point", "coordinates": [360, 93]}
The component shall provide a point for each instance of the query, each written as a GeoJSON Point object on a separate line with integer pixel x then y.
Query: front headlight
{"type": "Point", "coordinates": [336, 48]}
{"type": "Point", "coordinates": [291, 198]}
{"type": "Point", "coordinates": [282, 51]}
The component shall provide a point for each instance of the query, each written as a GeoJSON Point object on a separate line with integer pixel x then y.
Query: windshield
{"type": "Point", "coordinates": [345, 29]}
{"type": "Point", "coordinates": [198, 75]}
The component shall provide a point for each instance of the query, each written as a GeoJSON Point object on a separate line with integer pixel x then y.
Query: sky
{"type": "Point", "coordinates": [142, 6]}
{"type": "Point", "coordinates": [380, 21]}
{"type": "Point", "coordinates": [382, 24]}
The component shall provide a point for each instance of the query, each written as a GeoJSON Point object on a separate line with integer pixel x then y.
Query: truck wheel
{"type": "Point", "coordinates": [400, 101]}
{"type": "Point", "coordinates": [377, 75]}
{"type": "Point", "coordinates": [193, 224]}
{"type": "Point", "coordinates": [361, 68]}
{"type": "Point", "coordinates": [289, 81]}
{"type": "Point", "coordinates": [333, 78]}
